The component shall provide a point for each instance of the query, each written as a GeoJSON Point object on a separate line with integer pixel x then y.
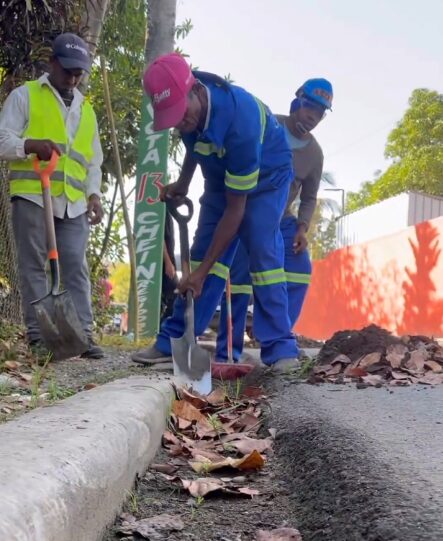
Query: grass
{"type": "Point", "coordinates": [132, 501]}
{"type": "Point", "coordinates": [58, 393]}
{"type": "Point", "coordinates": [118, 341]}
{"type": "Point", "coordinates": [198, 502]}
{"type": "Point", "coordinates": [6, 388]}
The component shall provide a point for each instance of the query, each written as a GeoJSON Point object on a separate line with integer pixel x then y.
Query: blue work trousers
{"type": "Point", "coordinates": [298, 274]}
{"type": "Point", "coordinates": [262, 239]}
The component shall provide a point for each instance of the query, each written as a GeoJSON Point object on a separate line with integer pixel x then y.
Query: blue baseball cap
{"type": "Point", "coordinates": [72, 52]}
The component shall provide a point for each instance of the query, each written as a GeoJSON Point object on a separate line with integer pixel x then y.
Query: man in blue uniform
{"type": "Point", "coordinates": [246, 162]}
{"type": "Point", "coordinates": [309, 107]}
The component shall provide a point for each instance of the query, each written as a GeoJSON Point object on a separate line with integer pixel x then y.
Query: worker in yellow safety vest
{"type": "Point", "coordinates": [38, 118]}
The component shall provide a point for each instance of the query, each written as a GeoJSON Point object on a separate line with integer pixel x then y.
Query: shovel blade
{"type": "Point", "coordinates": [192, 365]}
{"type": "Point", "coordinates": [60, 326]}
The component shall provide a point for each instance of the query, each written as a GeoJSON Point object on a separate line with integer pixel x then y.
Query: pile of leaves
{"type": "Point", "coordinates": [216, 444]}
{"type": "Point", "coordinates": [373, 357]}
{"type": "Point", "coordinates": [220, 433]}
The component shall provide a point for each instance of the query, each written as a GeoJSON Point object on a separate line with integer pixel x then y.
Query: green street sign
{"type": "Point", "coordinates": [149, 220]}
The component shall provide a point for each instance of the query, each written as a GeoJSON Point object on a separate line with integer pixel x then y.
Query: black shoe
{"type": "Point", "coordinates": [94, 352]}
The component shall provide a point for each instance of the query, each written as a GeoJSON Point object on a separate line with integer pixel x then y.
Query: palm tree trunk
{"type": "Point", "coordinates": [161, 28]}
{"type": "Point", "coordinates": [92, 21]}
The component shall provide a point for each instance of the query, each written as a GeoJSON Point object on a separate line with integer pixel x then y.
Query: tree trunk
{"type": "Point", "coordinates": [92, 21]}
{"type": "Point", "coordinates": [161, 28]}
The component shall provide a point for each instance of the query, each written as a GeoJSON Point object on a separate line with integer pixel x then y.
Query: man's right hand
{"type": "Point", "coordinates": [42, 147]}
{"type": "Point", "coordinates": [175, 191]}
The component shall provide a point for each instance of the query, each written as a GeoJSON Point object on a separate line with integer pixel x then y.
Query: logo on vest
{"type": "Point", "coordinates": [162, 96]}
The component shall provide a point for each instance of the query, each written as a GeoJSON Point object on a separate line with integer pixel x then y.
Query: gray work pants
{"type": "Point", "coordinates": [30, 239]}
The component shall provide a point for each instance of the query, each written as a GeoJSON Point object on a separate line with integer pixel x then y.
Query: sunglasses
{"type": "Point", "coordinates": [310, 104]}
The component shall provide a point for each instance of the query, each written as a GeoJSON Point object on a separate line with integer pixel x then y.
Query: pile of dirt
{"type": "Point", "coordinates": [374, 356]}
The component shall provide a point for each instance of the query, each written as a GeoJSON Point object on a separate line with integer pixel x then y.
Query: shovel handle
{"type": "Point", "coordinates": [45, 179]}
{"type": "Point", "coordinates": [229, 318]}
{"type": "Point", "coordinates": [182, 221]}
{"type": "Point", "coordinates": [178, 216]}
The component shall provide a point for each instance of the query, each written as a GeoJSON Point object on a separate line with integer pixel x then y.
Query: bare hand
{"type": "Point", "coordinates": [95, 210]}
{"type": "Point", "coordinates": [169, 269]}
{"type": "Point", "coordinates": [174, 191]}
{"type": "Point", "coordinates": [300, 241]}
{"type": "Point", "coordinates": [193, 282]}
{"type": "Point", "coordinates": [42, 147]}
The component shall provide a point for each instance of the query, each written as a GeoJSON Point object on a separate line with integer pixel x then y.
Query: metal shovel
{"type": "Point", "coordinates": [57, 317]}
{"type": "Point", "coordinates": [192, 363]}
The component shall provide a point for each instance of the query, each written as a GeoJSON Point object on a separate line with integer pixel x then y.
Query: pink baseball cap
{"type": "Point", "coordinates": [168, 81]}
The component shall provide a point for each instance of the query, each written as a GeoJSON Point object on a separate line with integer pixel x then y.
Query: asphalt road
{"type": "Point", "coordinates": [365, 464]}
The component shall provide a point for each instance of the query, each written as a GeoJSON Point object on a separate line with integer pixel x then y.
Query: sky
{"type": "Point", "coordinates": [374, 53]}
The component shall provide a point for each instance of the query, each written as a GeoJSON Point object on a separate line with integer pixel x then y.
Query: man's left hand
{"type": "Point", "coordinates": [95, 210]}
{"type": "Point", "coordinates": [300, 240]}
{"type": "Point", "coordinates": [193, 282]}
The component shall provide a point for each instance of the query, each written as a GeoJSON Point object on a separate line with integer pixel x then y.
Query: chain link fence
{"type": "Point", "coordinates": [10, 309]}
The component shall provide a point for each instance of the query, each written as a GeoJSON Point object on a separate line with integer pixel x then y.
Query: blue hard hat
{"type": "Point", "coordinates": [318, 90]}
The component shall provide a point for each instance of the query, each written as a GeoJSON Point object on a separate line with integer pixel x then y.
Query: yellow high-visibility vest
{"type": "Point", "coordinates": [46, 122]}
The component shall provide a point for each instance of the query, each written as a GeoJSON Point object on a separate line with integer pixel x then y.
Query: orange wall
{"type": "Point", "coordinates": [395, 282]}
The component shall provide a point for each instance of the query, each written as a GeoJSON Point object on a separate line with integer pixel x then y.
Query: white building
{"type": "Point", "coordinates": [387, 217]}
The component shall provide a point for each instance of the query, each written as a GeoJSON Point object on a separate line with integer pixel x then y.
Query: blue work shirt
{"type": "Point", "coordinates": [243, 147]}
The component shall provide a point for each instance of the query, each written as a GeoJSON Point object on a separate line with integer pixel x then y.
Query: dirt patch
{"type": "Point", "coordinates": [373, 356]}
{"type": "Point", "coordinates": [214, 517]}
{"type": "Point", "coordinates": [31, 385]}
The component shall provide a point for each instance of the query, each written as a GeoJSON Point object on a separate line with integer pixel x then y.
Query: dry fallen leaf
{"type": "Point", "coordinates": [354, 372]}
{"type": "Point", "coordinates": [281, 534]}
{"type": "Point", "coordinates": [12, 365]}
{"type": "Point", "coordinates": [164, 468]}
{"type": "Point", "coordinates": [368, 360]}
{"type": "Point", "coordinates": [253, 392]}
{"type": "Point", "coordinates": [434, 366]}
{"type": "Point", "coordinates": [152, 528]}
{"type": "Point", "coordinates": [373, 379]}
{"type": "Point", "coordinates": [246, 445]}
{"type": "Point", "coordinates": [217, 397]}
{"type": "Point", "coordinates": [185, 410]}
{"type": "Point", "coordinates": [247, 421]}
{"type": "Point", "coordinates": [203, 486]}
{"type": "Point", "coordinates": [343, 359]}
{"type": "Point", "coordinates": [273, 432]}
{"type": "Point", "coordinates": [395, 353]}
{"type": "Point", "coordinates": [431, 379]}
{"type": "Point", "coordinates": [400, 375]}
{"type": "Point", "coordinates": [89, 386]}
{"type": "Point", "coordinates": [193, 398]}
{"type": "Point", "coordinates": [249, 491]}
{"type": "Point", "coordinates": [417, 361]}
{"type": "Point", "coordinates": [253, 461]}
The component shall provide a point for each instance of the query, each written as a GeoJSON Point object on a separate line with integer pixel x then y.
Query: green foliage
{"type": "Point", "coordinates": [322, 233]}
{"type": "Point", "coordinates": [122, 44]}
{"type": "Point", "coordinates": [27, 28]}
{"type": "Point", "coordinates": [120, 278]}
{"type": "Point", "coordinates": [416, 149]}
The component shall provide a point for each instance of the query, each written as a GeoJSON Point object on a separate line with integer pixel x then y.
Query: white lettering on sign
{"type": "Point", "coordinates": [147, 230]}
{"type": "Point", "coordinates": [147, 223]}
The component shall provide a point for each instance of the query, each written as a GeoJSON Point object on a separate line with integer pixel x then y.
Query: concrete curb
{"type": "Point", "coordinates": [66, 469]}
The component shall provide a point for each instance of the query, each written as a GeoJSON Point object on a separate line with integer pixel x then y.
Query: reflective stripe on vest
{"type": "Point", "coordinates": [46, 122]}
